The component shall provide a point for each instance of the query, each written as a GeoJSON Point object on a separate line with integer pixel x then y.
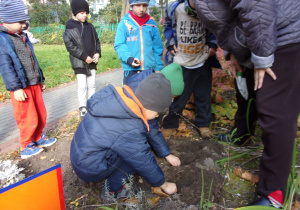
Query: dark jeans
{"type": "Point", "coordinates": [245, 122]}
{"type": "Point", "coordinates": [118, 176]}
{"type": "Point", "coordinates": [197, 81]}
{"type": "Point", "coordinates": [128, 74]}
{"type": "Point", "coordinates": [278, 106]}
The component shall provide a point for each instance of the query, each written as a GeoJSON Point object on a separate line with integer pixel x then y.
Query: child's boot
{"type": "Point", "coordinates": [206, 133]}
{"type": "Point", "coordinates": [167, 133]}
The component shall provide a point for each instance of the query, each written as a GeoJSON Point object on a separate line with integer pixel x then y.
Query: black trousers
{"type": "Point", "coordinates": [278, 105]}
{"type": "Point", "coordinates": [245, 121]}
{"type": "Point", "coordinates": [197, 81]}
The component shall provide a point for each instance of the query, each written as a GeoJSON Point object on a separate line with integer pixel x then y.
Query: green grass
{"type": "Point", "coordinates": [55, 63]}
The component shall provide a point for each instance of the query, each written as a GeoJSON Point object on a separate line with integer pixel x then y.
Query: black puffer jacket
{"type": "Point", "coordinates": [81, 41]}
{"type": "Point", "coordinates": [252, 27]}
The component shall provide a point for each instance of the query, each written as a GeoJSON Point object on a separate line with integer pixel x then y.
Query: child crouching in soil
{"type": "Point", "coordinates": [111, 141]}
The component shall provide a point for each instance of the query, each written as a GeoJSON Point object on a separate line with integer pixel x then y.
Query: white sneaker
{"type": "Point", "coordinates": [83, 111]}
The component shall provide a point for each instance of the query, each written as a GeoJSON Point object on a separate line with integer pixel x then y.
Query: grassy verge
{"type": "Point", "coordinates": [54, 60]}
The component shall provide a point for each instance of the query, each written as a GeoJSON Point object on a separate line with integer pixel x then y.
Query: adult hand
{"type": "Point", "coordinates": [96, 58]}
{"type": "Point", "coordinates": [174, 51]}
{"type": "Point", "coordinates": [173, 160]}
{"type": "Point", "coordinates": [235, 66]}
{"type": "Point", "coordinates": [169, 188]}
{"type": "Point", "coordinates": [20, 95]}
{"type": "Point", "coordinates": [43, 86]}
{"type": "Point", "coordinates": [211, 51]}
{"type": "Point", "coordinates": [89, 60]}
{"type": "Point", "coordinates": [40, 41]}
{"type": "Point", "coordinates": [259, 75]}
{"type": "Point", "coordinates": [136, 62]}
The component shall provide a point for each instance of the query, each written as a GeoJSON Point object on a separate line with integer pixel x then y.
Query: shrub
{"type": "Point", "coordinates": [53, 35]}
{"type": "Point", "coordinates": [107, 37]}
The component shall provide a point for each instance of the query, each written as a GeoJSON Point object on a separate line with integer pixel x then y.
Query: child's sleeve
{"type": "Point", "coordinates": [120, 43]}
{"type": "Point", "coordinates": [8, 73]}
{"type": "Point", "coordinates": [211, 39]}
{"type": "Point", "coordinates": [168, 29]}
{"type": "Point", "coordinates": [133, 148]}
{"type": "Point", "coordinates": [158, 49]}
{"type": "Point", "coordinates": [98, 44]}
{"type": "Point", "coordinates": [157, 140]}
{"type": "Point", "coordinates": [72, 48]}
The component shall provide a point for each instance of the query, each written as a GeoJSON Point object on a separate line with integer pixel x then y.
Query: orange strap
{"type": "Point", "coordinates": [134, 105]}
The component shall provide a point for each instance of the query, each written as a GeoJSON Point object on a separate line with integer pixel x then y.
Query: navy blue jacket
{"type": "Point", "coordinates": [11, 69]}
{"type": "Point", "coordinates": [155, 137]}
{"type": "Point", "coordinates": [114, 128]}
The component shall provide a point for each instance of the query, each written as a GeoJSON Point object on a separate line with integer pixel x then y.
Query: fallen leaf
{"type": "Point", "coordinates": [184, 133]}
{"type": "Point", "coordinates": [190, 106]}
{"type": "Point", "coordinates": [1, 97]}
{"type": "Point", "coordinates": [246, 175]}
{"type": "Point", "coordinates": [52, 160]}
{"type": "Point", "coordinates": [131, 200]}
{"type": "Point", "coordinates": [158, 191]}
{"type": "Point", "coordinates": [154, 200]}
{"type": "Point", "coordinates": [141, 180]}
{"type": "Point", "coordinates": [219, 98]}
{"type": "Point", "coordinates": [182, 126]}
{"type": "Point", "coordinates": [42, 157]}
{"type": "Point", "coordinates": [296, 205]}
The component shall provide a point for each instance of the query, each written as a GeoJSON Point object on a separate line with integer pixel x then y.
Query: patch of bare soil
{"type": "Point", "coordinates": [195, 154]}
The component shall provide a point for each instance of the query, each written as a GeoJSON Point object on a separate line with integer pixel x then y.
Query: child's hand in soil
{"type": "Point", "coordinates": [169, 188]}
{"type": "Point", "coordinates": [173, 160]}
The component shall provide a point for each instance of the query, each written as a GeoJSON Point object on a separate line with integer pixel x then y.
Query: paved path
{"type": "Point", "coordinates": [59, 101]}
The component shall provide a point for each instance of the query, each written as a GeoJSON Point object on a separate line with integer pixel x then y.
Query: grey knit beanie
{"type": "Point", "coordinates": [12, 11]}
{"type": "Point", "coordinates": [155, 93]}
{"type": "Point", "coordinates": [132, 2]}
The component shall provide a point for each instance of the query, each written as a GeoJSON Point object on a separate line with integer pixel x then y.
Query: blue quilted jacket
{"type": "Point", "coordinates": [154, 136]}
{"type": "Point", "coordinates": [252, 28]}
{"type": "Point", "coordinates": [141, 42]}
{"type": "Point", "coordinates": [11, 69]}
{"type": "Point", "coordinates": [114, 129]}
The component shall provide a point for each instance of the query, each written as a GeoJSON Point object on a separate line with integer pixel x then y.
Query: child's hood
{"type": "Point", "coordinates": [111, 102]}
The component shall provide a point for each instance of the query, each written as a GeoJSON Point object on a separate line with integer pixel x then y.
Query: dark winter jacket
{"type": "Point", "coordinates": [81, 41]}
{"type": "Point", "coordinates": [154, 136]}
{"type": "Point", "coordinates": [11, 69]}
{"type": "Point", "coordinates": [252, 28]}
{"type": "Point", "coordinates": [114, 128]}
{"type": "Point", "coordinates": [171, 34]}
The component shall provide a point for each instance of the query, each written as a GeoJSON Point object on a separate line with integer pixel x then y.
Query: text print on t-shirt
{"type": "Point", "coordinates": [191, 37]}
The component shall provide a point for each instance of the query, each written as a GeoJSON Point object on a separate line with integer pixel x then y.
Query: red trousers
{"type": "Point", "coordinates": [30, 114]}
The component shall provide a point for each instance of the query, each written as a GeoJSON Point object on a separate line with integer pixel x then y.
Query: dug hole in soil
{"type": "Point", "coordinates": [196, 155]}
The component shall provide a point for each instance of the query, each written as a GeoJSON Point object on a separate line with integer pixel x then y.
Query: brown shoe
{"type": "Point", "coordinates": [206, 133]}
{"type": "Point", "coordinates": [167, 133]}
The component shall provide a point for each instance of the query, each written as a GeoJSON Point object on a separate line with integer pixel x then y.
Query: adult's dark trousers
{"type": "Point", "coordinates": [197, 81]}
{"type": "Point", "coordinates": [278, 105]}
{"type": "Point", "coordinates": [246, 114]}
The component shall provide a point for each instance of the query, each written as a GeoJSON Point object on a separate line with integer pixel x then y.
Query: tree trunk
{"type": "Point", "coordinates": [125, 8]}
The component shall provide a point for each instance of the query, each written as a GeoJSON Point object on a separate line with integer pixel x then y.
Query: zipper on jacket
{"type": "Point", "coordinates": [142, 43]}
